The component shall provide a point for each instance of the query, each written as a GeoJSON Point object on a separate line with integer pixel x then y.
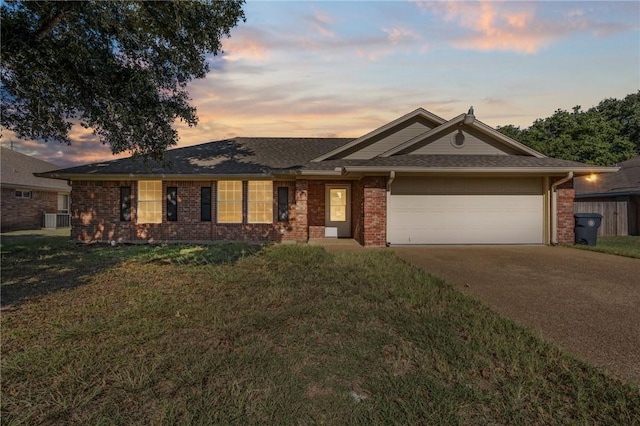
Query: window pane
{"type": "Point", "coordinates": [125, 203]}
{"type": "Point", "coordinates": [205, 204]}
{"type": "Point", "coordinates": [63, 202]}
{"type": "Point", "coordinates": [230, 201]}
{"type": "Point", "coordinates": [338, 208]}
{"type": "Point", "coordinates": [283, 204]}
{"type": "Point", "coordinates": [172, 204]}
{"type": "Point", "coordinates": [260, 206]}
{"type": "Point", "coordinates": [149, 201]}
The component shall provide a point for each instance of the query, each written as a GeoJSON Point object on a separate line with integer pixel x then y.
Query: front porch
{"type": "Point", "coordinates": [315, 218]}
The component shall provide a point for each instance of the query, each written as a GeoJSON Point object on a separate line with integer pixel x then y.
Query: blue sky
{"type": "Point", "coordinates": [344, 68]}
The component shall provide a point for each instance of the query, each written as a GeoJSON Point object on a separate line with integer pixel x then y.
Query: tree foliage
{"type": "Point", "coordinates": [117, 67]}
{"type": "Point", "coordinates": [604, 135]}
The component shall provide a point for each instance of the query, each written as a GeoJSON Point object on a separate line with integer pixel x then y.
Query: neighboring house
{"type": "Point", "coordinates": [615, 196]}
{"type": "Point", "coordinates": [26, 198]}
{"type": "Point", "coordinates": [419, 179]}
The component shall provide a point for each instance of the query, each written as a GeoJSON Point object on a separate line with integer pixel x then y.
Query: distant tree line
{"type": "Point", "coordinates": [602, 135]}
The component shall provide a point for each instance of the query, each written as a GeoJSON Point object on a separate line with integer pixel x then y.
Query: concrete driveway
{"type": "Point", "coordinates": [587, 303]}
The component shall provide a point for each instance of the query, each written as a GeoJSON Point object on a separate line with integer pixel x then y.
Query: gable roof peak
{"type": "Point", "coordinates": [418, 112]}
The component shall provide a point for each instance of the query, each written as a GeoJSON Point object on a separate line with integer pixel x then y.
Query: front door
{"type": "Point", "coordinates": [338, 211]}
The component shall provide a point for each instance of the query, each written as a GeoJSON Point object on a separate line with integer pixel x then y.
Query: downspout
{"type": "Point", "coordinates": [554, 208]}
{"type": "Point", "coordinates": [392, 176]}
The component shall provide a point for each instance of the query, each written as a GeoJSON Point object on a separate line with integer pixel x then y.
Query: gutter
{"type": "Point", "coordinates": [159, 176]}
{"type": "Point", "coordinates": [518, 170]}
{"type": "Point", "coordinates": [554, 208]}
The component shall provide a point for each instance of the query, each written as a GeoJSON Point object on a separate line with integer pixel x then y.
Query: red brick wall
{"type": "Point", "coordinates": [300, 231]}
{"type": "Point", "coordinates": [375, 211]}
{"type": "Point", "coordinates": [357, 211]}
{"type": "Point", "coordinates": [25, 213]}
{"type": "Point", "coordinates": [95, 216]}
{"type": "Point", "coordinates": [564, 198]}
{"type": "Point", "coordinates": [316, 203]}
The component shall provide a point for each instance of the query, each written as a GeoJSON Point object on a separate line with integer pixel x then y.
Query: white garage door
{"type": "Point", "coordinates": [466, 211]}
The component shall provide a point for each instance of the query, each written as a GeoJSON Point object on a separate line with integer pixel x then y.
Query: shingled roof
{"type": "Point", "coordinates": [626, 181]}
{"type": "Point", "coordinates": [280, 156]}
{"type": "Point", "coordinates": [239, 156]}
{"type": "Point", "coordinates": [18, 170]}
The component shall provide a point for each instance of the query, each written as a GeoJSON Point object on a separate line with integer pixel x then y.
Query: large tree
{"type": "Point", "coordinates": [119, 68]}
{"type": "Point", "coordinates": [605, 134]}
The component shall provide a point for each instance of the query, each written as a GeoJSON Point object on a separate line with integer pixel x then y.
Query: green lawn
{"type": "Point", "coordinates": [284, 335]}
{"type": "Point", "coordinates": [628, 246]}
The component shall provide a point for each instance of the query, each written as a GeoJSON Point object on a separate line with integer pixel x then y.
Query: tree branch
{"type": "Point", "coordinates": [50, 25]}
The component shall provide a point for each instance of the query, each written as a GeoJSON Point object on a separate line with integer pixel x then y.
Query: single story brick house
{"type": "Point", "coordinates": [25, 197]}
{"type": "Point", "coordinates": [419, 179]}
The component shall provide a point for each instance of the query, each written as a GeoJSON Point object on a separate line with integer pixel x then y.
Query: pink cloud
{"type": "Point", "coordinates": [513, 26]}
{"type": "Point", "coordinates": [320, 22]}
{"type": "Point", "coordinates": [246, 44]}
{"type": "Point", "coordinates": [494, 26]}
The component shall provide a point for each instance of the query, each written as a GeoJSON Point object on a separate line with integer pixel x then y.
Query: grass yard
{"type": "Point", "coordinates": [285, 335]}
{"type": "Point", "coordinates": [628, 246]}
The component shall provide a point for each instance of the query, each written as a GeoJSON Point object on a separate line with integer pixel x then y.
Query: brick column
{"type": "Point", "coordinates": [375, 211]}
{"type": "Point", "coordinates": [564, 209]}
{"type": "Point", "coordinates": [301, 223]}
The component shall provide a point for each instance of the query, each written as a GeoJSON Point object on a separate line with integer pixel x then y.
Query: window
{"type": "Point", "coordinates": [150, 201]}
{"type": "Point", "coordinates": [125, 203]}
{"type": "Point", "coordinates": [283, 204]}
{"type": "Point", "coordinates": [205, 204]}
{"type": "Point", "coordinates": [260, 206]}
{"type": "Point", "coordinates": [230, 201]}
{"type": "Point", "coordinates": [23, 194]}
{"type": "Point", "coordinates": [338, 205]}
{"type": "Point", "coordinates": [63, 203]}
{"type": "Point", "coordinates": [172, 204]}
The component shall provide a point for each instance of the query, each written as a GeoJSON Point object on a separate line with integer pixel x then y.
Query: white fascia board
{"type": "Point", "coordinates": [132, 176]}
{"type": "Point", "coordinates": [321, 172]}
{"type": "Point", "coordinates": [453, 170]}
{"type": "Point", "coordinates": [415, 113]}
{"type": "Point", "coordinates": [488, 130]}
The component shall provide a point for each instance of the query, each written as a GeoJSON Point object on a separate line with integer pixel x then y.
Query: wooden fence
{"type": "Point", "coordinates": [615, 220]}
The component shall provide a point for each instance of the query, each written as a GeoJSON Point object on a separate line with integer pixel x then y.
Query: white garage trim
{"type": "Point", "coordinates": [465, 211]}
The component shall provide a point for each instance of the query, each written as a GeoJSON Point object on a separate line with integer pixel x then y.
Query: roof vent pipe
{"type": "Point", "coordinates": [469, 117]}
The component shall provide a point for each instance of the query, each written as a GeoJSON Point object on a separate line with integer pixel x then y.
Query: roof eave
{"type": "Point", "coordinates": [608, 194]}
{"type": "Point", "coordinates": [494, 170]}
{"type": "Point", "coordinates": [506, 139]}
{"type": "Point", "coordinates": [34, 187]}
{"type": "Point", "coordinates": [162, 176]}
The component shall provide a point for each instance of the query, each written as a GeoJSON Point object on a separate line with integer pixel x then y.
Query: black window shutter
{"type": "Point", "coordinates": [125, 203]}
{"type": "Point", "coordinates": [283, 204]}
{"type": "Point", "coordinates": [205, 204]}
{"type": "Point", "coordinates": [172, 203]}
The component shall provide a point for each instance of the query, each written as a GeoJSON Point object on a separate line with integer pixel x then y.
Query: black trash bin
{"type": "Point", "coordinates": [586, 229]}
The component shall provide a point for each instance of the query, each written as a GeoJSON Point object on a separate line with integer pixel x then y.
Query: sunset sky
{"type": "Point", "coordinates": [344, 68]}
